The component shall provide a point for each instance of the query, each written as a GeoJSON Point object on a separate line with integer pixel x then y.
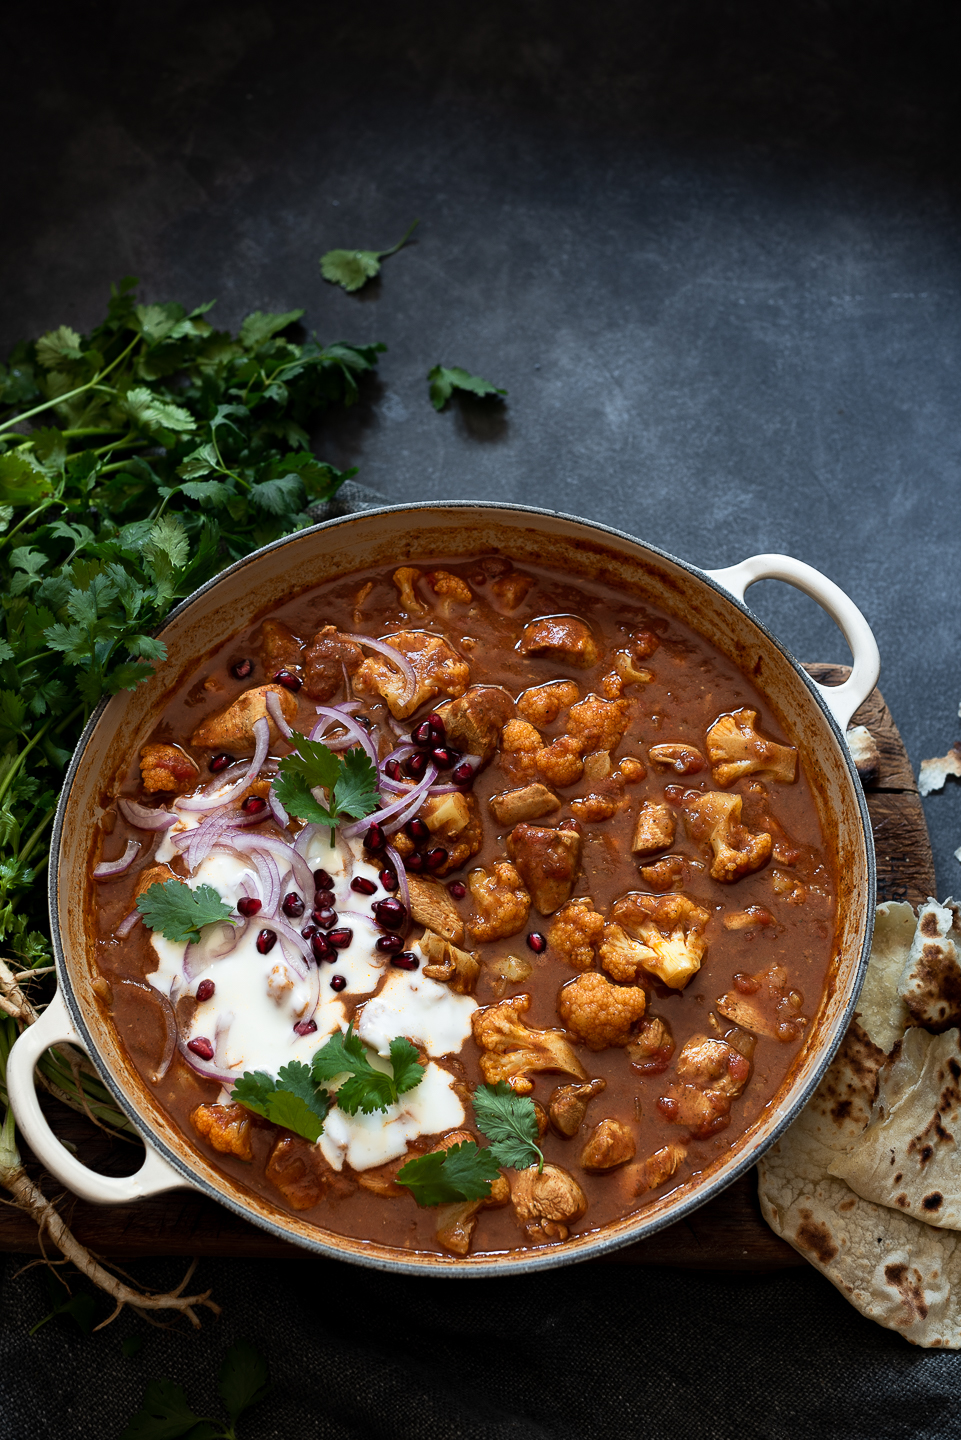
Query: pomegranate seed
{"type": "Point", "coordinates": [457, 889]}
{"type": "Point", "coordinates": [220, 762]}
{"type": "Point", "coordinates": [249, 906]}
{"type": "Point", "coordinates": [242, 669]}
{"type": "Point", "coordinates": [320, 948]}
{"type": "Point", "coordinates": [289, 680]}
{"type": "Point", "coordinates": [322, 880]}
{"type": "Point", "coordinates": [202, 1047]}
{"type": "Point", "coordinates": [417, 830]}
{"type": "Point", "coordinates": [340, 939]}
{"type": "Point", "coordinates": [414, 864]}
{"type": "Point", "coordinates": [463, 774]}
{"type": "Point", "coordinates": [388, 879]}
{"type": "Point", "coordinates": [322, 898]}
{"type": "Point", "coordinates": [389, 944]}
{"type": "Point", "coordinates": [338, 982]}
{"type": "Point", "coordinates": [442, 757]}
{"type": "Point", "coordinates": [362, 886]}
{"type": "Point", "coordinates": [325, 917]}
{"type": "Point", "coordinates": [537, 942]}
{"type": "Point", "coordinates": [436, 859]}
{"type": "Point", "coordinates": [375, 838]}
{"type": "Point", "coordinates": [422, 735]}
{"type": "Point", "coordinates": [438, 729]}
{"type": "Point", "coordinates": [292, 906]}
{"type": "Point", "coordinates": [205, 989]}
{"type": "Point", "coordinates": [406, 960]}
{"type": "Point", "coordinates": [308, 931]}
{"type": "Point", "coordinates": [266, 941]}
{"type": "Point", "coordinates": [305, 1027]}
{"type": "Point", "coordinates": [390, 913]}
{"type": "Point", "coordinates": [392, 770]}
{"type": "Point", "coordinates": [254, 805]}
{"type": "Point", "coordinates": [416, 766]}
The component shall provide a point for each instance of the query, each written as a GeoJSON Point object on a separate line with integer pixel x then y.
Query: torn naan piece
{"type": "Point", "coordinates": [934, 773]}
{"type": "Point", "coordinates": [903, 1274]}
{"type": "Point", "coordinates": [881, 1012]}
{"type": "Point", "coordinates": [930, 984]}
{"type": "Point", "coordinates": [908, 1157]}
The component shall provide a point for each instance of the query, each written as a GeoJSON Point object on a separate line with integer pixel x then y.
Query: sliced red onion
{"type": "Point", "coordinates": [394, 656]}
{"type": "Point", "coordinates": [277, 810]}
{"type": "Point", "coordinates": [206, 1069]}
{"type": "Point", "coordinates": [127, 924]}
{"type": "Point", "coordinates": [308, 972]}
{"type": "Point", "coordinates": [206, 802]}
{"type": "Point", "coordinates": [354, 731]}
{"type": "Point", "coordinates": [215, 942]}
{"type": "Point", "coordinates": [287, 932]}
{"type": "Point", "coordinates": [399, 807]}
{"type": "Point", "coordinates": [170, 1021]}
{"type": "Point", "coordinates": [196, 844]}
{"type": "Point", "coordinates": [271, 845]}
{"type": "Point", "coordinates": [110, 869]}
{"type": "Point", "coordinates": [277, 714]}
{"type": "Point", "coordinates": [234, 772]}
{"type": "Point", "coordinates": [394, 857]}
{"type": "Point", "coordinates": [475, 761]}
{"type": "Point", "coordinates": [144, 817]}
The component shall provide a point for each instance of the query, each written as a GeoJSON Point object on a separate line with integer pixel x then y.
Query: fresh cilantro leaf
{"type": "Point", "coordinates": [509, 1121]}
{"type": "Point", "coordinates": [293, 792]}
{"type": "Point", "coordinates": [165, 1414]}
{"type": "Point", "coordinates": [280, 495]}
{"type": "Point", "coordinates": [292, 1100]}
{"type": "Point", "coordinates": [353, 268]}
{"type": "Point", "coordinates": [311, 759]}
{"type": "Point", "coordinates": [157, 417]}
{"type": "Point", "coordinates": [444, 380]}
{"type": "Point", "coordinates": [243, 1379]}
{"type": "Point", "coordinates": [178, 912]}
{"type": "Point", "coordinates": [261, 326]}
{"type": "Point", "coordinates": [405, 1063]}
{"type": "Point", "coordinates": [355, 790]}
{"type": "Point", "coordinates": [350, 781]}
{"type": "Point", "coordinates": [80, 1307]}
{"type": "Point", "coordinates": [58, 345]}
{"type": "Point", "coordinates": [366, 1089]}
{"type": "Point", "coordinates": [21, 481]}
{"type": "Point", "coordinates": [464, 1172]}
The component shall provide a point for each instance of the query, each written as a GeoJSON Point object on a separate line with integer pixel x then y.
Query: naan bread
{"type": "Point", "coordinates": [881, 1013]}
{"type": "Point", "coordinates": [930, 984]}
{"type": "Point", "coordinates": [933, 773]}
{"type": "Point", "coordinates": [908, 1156]}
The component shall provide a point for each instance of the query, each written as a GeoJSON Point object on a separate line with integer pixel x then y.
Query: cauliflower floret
{"type": "Point", "coordinates": [591, 809]}
{"type": "Point", "coordinates": [501, 903]}
{"type": "Point", "coordinates": [459, 968]}
{"type": "Point", "coordinates": [405, 579]}
{"type": "Point", "coordinates": [525, 757]}
{"type": "Point", "coordinates": [560, 637]}
{"type": "Point", "coordinates": [668, 930]}
{"type": "Point", "coordinates": [167, 767]}
{"type": "Point", "coordinates": [599, 724]}
{"type": "Point", "coordinates": [548, 862]}
{"type": "Point", "coordinates": [735, 748]}
{"type": "Point", "coordinates": [225, 1127]}
{"type": "Point", "coordinates": [438, 670]}
{"type": "Point", "coordinates": [511, 1049]}
{"type": "Point", "coordinates": [599, 1013]}
{"type": "Point", "coordinates": [575, 931]}
{"type": "Point", "coordinates": [609, 1144]}
{"type": "Point", "coordinates": [451, 588]}
{"type": "Point", "coordinates": [560, 762]}
{"type": "Point", "coordinates": [455, 820]}
{"type": "Point", "coordinates": [568, 1105]}
{"type": "Point", "coordinates": [654, 829]}
{"type": "Point", "coordinates": [716, 818]}
{"type": "Point", "coordinates": [542, 704]}
{"type": "Point", "coordinates": [233, 728]}
{"type": "Point", "coordinates": [547, 1204]}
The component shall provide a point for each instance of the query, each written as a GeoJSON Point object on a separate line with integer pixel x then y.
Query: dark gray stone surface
{"type": "Point", "coordinates": [712, 252]}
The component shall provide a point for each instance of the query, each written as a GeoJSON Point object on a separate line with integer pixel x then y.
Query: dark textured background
{"type": "Point", "coordinates": [712, 251]}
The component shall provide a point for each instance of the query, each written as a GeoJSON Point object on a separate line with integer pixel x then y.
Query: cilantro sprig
{"type": "Point", "coordinates": [464, 1172]}
{"type": "Point", "coordinates": [366, 1089]}
{"type": "Point", "coordinates": [166, 1413]}
{"type": "Point", "coordinates": [444, 380]}
{"type": "Point", "coordinates": [350, 781]}
{"type": "Point", "coordinates": [351, 269]}
{"type": "Point", "coordinates": [179, 912]}
{"type": "Point", "coordinates": [509, 1121]}
{"type": "Point", "coordinates": [292, 1100]}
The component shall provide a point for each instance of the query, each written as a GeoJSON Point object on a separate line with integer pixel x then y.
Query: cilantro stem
{"type": "Point", "coordinates": [44, 505]}
{"type": "Point", "coordinates": [400, 243]}
{"type": "Point", "coordinates": [32, 840]}
{"type": "Point", "coordinates": [69, 395]}
{"type": "Point", "coordinates": [10, 776]}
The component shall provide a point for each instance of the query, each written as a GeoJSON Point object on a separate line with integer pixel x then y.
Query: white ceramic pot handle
{"type": "Point", "coordinates": [155, 1174]}
{"type": "Point", "coordinates": [841, 700]}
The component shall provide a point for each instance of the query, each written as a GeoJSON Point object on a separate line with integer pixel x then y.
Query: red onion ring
{"type": "Point", "coordinates": [269, 845]}
{"type": "Point", "coordinates": [401, 873]}
{"type": "Point", "coordinates": [110, 869]}
{"type": "Point", "coordinates": [143, 817]}
{"type": "Point", "coordinates": [355, 731]}
{"type": "Point", "coordinates": [127, 924]}
{"type": "Point", "coordinates": [394, 656]}
{"type": "Point", "coordinates": [413, 797]}
{"type": "Point", "coordinates": [202, 1067]}
{"type": "Point", "coordinates": [287, 932]}
{"type": "Point", "coordinates": [170, 1021]}
{"type": "Point", "coordinates": [280, 815]}
{"type": "Point", "coordinates": [201, 954]}
{"type": "Point", "coordinates": [204, 802]}
{"type": "Point", "coordinates": [276, 714]}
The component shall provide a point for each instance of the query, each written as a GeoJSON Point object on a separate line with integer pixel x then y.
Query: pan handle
{"type": "Point", "coordinates": [841, 700]}
{"type": "Point", "coordinates": [54, 1026]}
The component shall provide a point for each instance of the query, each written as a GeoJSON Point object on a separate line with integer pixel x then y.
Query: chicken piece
{"type": "Point", "coordinates": [788, 888]}
{"type": "Point", "coordinates": [598, 766]}
{"type": "Point", "coordinates": [753, 917]}
{"type": "Point", "coordinates": [575, 931]}
{"type": "Point", "coordinates": [455, 1221]}
{"type": "Point", "coordinates": [530, 802]}
{"type": "Point", "coordinates": [560, 762]}
{"type": "Point", "coordinates": [501, 904]}
{"type": "Point", "coordinates": [511, 1049]}
{"type": "Point", "coordinates": [511, 590]}
{"type": "Point", "coordinates": [672, 872]}
{"type": "Point", "coordinates": [457, 968]}
{"type": "Point", "coordinates": [167, 767]}
{"type": "Point", "coordinates": [592, 809]}
{"type": "Point", "coordinates": [279, 649]}
{"type": "Point", "coordinates": [326, 659]}
{"type": "Point", "coordinates": [451, 588]}
{"type": "Point", "coordinates": [712, 1065]}
{"type": "Point", "coordinates": [659, 1167]}
{"type": "Point", "coordinates": [684, 759]}
{"type": "Point", "coordinates": [598, 1013]}
{"type": "Point", "coordinates": [475, 721]}
{"type": "Point", "coordinates": [506, 970]}
{"type": "Point", "coordinates": [599, 724]}
{"type": "Point", "coordinates": [735, 748]}
{"type": "Point", "coordinates": [628, 670]}
{"type": "Point", "coordinates": [156, 875]}
{"type": "Point", "coordinates": [564, 638]}
{"type": "Point", "coordinates": [548, 862]}
{"type": "Point", "coordinates": [716, 818]}
{"type": "Point", "coordinates": [764, 1004]}
{"type": "Point", "coordinates": [454, 819]}
{"type": "Point", "coordinates": [609, 1145]}
{"type": "Point", "coordinates": [704, 1112]}
{"type": "Point", "coordinates": [405, 579]}
{"type": "Point", "coordinates": [233, 728]}
{"type": "Point", "coordinates": [651, 1049]}
{"type": "Point", "coordinates": [298, 1170]}
{"type": "Point", "coordinates": [430, 905]}
{"type": "Point", "coordinates": [438, 670]}
{"type": "Point", "coordinates": [669, 930]}
{"type": "Point", "coordinates": [225, 1127]}
{"type": "Point", "coordinates": [568, 1105]}
{"type": "Point", "coordinates": [542, 704]}
{"type": "Point", "coordinates": [654, 828]}
{"type": "Point", "coordinates": [546, 1205]}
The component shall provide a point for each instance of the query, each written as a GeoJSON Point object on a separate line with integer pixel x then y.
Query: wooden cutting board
{"type": "Point", "coordinates": [726, 1234]}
